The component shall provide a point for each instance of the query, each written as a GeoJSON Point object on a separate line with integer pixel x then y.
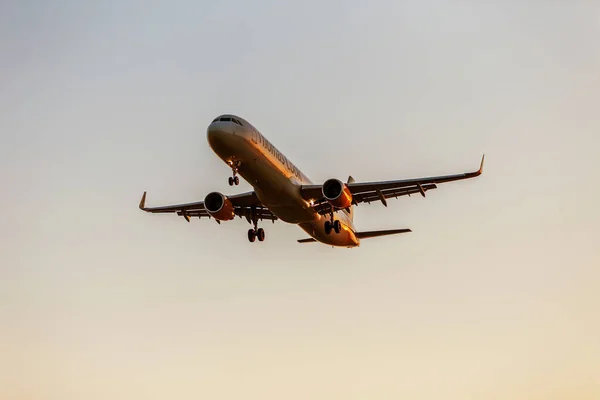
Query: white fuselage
{"type": "Point", "coordinates": [275, 180]}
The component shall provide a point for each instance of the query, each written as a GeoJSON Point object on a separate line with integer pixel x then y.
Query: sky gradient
{"type": "Point", "coordinates": [494, 295]}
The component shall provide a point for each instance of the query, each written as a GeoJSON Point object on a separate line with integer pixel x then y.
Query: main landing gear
{"type": "Point", "coordinates": [332, 225]}
{"type": "Point", "coordinates": [234, 180]}
{"type": "Point", "coordinates": [256, 232]}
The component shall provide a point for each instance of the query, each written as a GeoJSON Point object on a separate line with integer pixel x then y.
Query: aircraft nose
{"type": "Point", "coordinates": [216, 132]}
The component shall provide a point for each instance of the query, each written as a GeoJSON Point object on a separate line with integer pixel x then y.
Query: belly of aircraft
{"type": "Point", "coordinates": [278, 193]}
{"type": "Point", "coordinates": [346, 237]}
{"type": "Point", "coordinates": [273, 188]}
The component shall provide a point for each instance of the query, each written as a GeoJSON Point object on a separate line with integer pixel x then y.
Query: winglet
{"type": "Point", "coordinates": [481, 165]}
{"type": "Point", "coordinates": [478, 172]}
{"type": "Point", "coordinates": [143, 201]}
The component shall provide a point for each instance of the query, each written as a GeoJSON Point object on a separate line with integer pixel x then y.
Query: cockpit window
{"type": "Point", "coordinates": [228, 119]}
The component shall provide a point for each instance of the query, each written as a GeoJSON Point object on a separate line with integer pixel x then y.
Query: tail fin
{"type": "Point", "coordinates": [351, 208]}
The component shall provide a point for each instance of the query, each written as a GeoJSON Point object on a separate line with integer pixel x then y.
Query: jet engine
{"type": "Point", "coordinates": [337, 193]}
{"type": "Point", "coordinates": [219, 206]}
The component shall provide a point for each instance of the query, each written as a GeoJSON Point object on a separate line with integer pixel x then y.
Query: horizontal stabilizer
{"type": "Point", "coordinates": [365, 235]}
{"type": "Point", "coordinates": [309, 240]}
{"type": "Point", "coordinates": [370, 234]}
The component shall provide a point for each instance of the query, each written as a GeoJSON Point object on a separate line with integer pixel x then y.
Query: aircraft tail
{"type": "Point", "coordinates": [351, 208]}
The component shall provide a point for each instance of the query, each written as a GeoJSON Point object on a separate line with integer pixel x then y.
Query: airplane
{"type": "Point", "coordinates": [282, 192]}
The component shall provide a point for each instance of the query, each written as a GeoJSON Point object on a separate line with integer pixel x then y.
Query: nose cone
{"type": "Point", "coordinates": [217, 133]}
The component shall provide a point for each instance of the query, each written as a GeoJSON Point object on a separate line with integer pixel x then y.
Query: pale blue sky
{"type": "Point", "coordinates": [494, 295]}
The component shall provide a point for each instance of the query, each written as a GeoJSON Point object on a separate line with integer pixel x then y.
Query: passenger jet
{"type": "Point", "coordinates": [282, 192]}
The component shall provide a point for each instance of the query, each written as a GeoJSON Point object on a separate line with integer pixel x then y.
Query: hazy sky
{"type": "Point", "coordinates": [495, 294]}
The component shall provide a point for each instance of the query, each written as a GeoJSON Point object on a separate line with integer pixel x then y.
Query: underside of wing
{"type": "Point", "coordinates": [199, 205]}
{"type": "Point", "coordinates": [261, 213]}
{"type": "Point", "coordinates": [244, 205]}
{"type": "Point", "coordinates": [416, 183]}
{"type": "Point", "coordinates": [324, 208]}
{"type": "Point", "coordinates": [367, 192]}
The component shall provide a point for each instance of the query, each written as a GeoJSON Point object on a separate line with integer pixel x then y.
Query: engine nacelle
{"type": "Point", "coordinates": [337, 193]}
{"type": "Point", "coordinates": [219, 206]}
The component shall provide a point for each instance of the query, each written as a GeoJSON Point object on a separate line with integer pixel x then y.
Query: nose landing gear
{"type": "Point", "coordinates": [234, 180]}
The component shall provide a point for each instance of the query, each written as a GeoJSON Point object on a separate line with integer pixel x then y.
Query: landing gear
{"type": "Point", "coordinates": [328, 227]}
{"type": "Point", "coordinates": [335, 226]}
{"type": "Point", "coordinates": [254, 234]}
{"type": "Point", "coordinates": [260, 234]}
{"type": "Point", "coordinates": [234, 180]}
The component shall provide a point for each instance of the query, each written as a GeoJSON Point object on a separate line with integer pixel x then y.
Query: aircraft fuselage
{"type": "Point", "coordinates": [276, 181]}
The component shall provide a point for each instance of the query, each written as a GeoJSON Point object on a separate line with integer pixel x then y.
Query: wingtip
{"type": "Point", "coordinates": [479, 171]}
{"type": "Point", "coordinates": [143, 201]}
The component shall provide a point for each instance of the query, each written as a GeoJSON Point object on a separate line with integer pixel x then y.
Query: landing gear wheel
{"type": "Point", "coordinates": [234, 180]}
{"type": "Point", "coordinates": [251, 235]}
{"type": "Point", "coordinates": [337, 226]}
{"type": "Point", "coordinates": [328, 227]}
{"type": "Point", "coordinates": [260, 234]}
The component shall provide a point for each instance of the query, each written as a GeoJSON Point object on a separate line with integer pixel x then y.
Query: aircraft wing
{"type": "Point", "coordinates": [366, 192]}
{"type": "Point", "coordinates": [244, 204]}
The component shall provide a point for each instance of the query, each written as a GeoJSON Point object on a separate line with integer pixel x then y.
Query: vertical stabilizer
{"type": "Point", "coordinates": [351, 209]}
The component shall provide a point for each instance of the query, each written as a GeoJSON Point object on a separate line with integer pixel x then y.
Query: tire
{"type": "Point", "coordinates": [236, 180]}
{"type": "Point", "coordinates": [328, 227]}
{"type": "Point", "coordinates": [337, 226]}
{"type": "Point", "coordinates": [230, 181]}
{"type": "Point", "coordinates": [251, 235]}
{"type": "Point", "coordinates": [260, 234]}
